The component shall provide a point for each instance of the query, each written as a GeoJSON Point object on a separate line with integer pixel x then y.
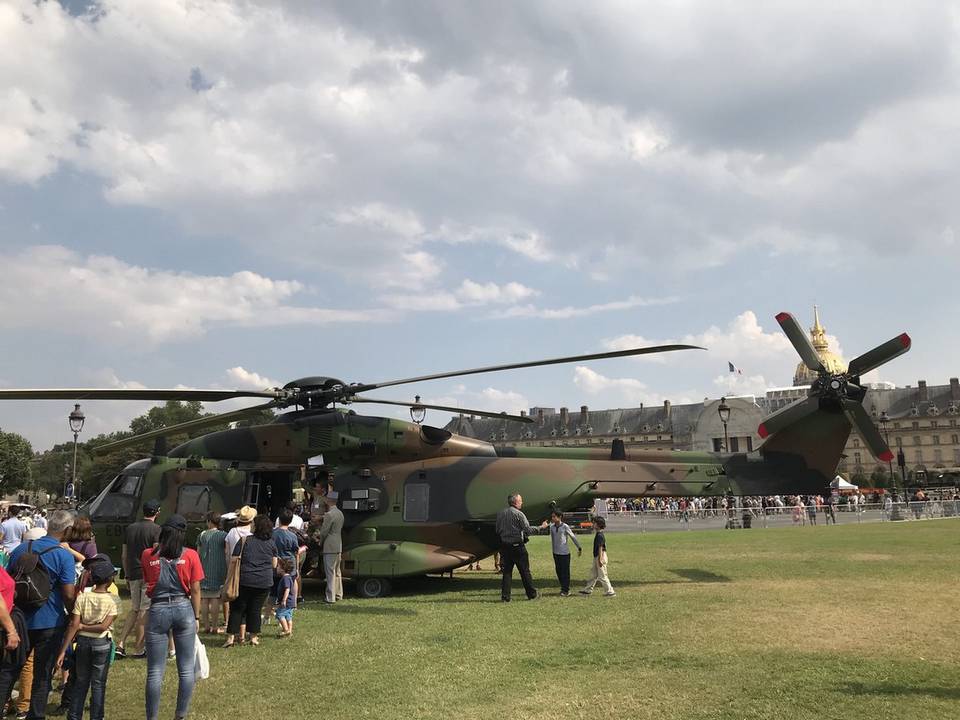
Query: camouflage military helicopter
{"type": "Point", "coordinates": [419, 499]}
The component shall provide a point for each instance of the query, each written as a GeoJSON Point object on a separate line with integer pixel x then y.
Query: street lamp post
{"type": "Point", "coordinates": [723, 410]}
{"type": "Point", "coordinates": [884, 419]}
{"type": "Point", "coordinates": [76, 425]}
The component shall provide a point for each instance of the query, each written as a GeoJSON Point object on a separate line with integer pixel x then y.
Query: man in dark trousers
{"type": "Point", "coordinates": [137, 538]}
{"type": "Point", "coordinates": [514, 530]}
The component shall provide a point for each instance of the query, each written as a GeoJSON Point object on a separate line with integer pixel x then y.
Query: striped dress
{"type": "Point", "coordinates": [210, 548]}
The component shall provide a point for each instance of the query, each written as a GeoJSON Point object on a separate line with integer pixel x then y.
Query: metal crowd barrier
{"type": "Point", "coordinates": [751, 517]}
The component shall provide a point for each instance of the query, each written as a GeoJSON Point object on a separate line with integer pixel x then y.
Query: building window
{"type": "Point", "coordinates": [856, 458]}
{"type": "Point", "coordinates": [916, 440]}
{"type": "Point", "coordinates": [938, 457]}
{"type": "Point", "coordinates": [718, 444]}
{"type": "Point", "coordinates": [898, 441]}
{"type": "Point", "coordinates": [918, 457]}
{"type": "Point", "coordinates": [734, 444]}
{"type": "Point", "coordinates": [936, 439]}
{"type": "Point", "coordinates": [856, 442]}
{"type": "Point", "coordinates": [749, 443]}
{"type": "Point", "coordinates": [956, 456]}
{"type": "Point", "coordinates": [896, 426]}
{"type": "Point", "coordinates": [933, 424]}
{"type": "Point", "coordinates": [915, 425]}
{"type": "Point", "coordinates": [955, 439]}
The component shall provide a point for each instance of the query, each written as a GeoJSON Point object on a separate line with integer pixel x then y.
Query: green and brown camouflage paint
{"type": "Point", "coordinates": [463, 482]}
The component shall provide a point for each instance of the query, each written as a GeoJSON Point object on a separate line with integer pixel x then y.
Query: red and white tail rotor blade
{"type": "Point", "coordinates": [800, 341]}
{"type": "Point", "coordinates": [787, 416]}
{"type": "Point", "coordinates": [861, 421]}
{"type": "Point", "coordinates": [881, 354]}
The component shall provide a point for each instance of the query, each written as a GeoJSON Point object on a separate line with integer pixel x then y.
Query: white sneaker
{"type": "Point", "coordinates": [586, 592]}
{"type": "Point", "coordinates": [609, 594]}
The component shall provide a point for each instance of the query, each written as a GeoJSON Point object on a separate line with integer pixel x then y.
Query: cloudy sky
{"type": "Point", "coordinates": [236, 194]}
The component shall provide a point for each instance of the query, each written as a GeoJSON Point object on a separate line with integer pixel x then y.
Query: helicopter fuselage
{"type": "Point", "coordinates": [418, 499]}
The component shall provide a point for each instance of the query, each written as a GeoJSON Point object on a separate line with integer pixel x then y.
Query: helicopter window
{"type": "Point", "coordinates": [416, 502]}
{"type": "Point", "coordinates": [118, 500]}
{"type": "Point", "coordinates": [193, 501]}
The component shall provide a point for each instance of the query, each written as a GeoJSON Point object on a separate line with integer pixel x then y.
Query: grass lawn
{"type": "Point", "coordinates": [824, 622]}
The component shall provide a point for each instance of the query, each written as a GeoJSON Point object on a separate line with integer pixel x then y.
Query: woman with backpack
{"type": "Point", "coordinates": [172, 574]}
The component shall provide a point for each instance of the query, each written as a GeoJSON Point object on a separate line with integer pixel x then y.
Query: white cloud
{"type": "Point", "coordinates": [248, 380]}
{"type": "Point", "coordinates": [469, 294]}
{"type": "Point", "coordinates": [53, 287]}
{"type": "Point", "coordinates": [624, 391]}
{"type": "Point", "coordinates": [565, 313]}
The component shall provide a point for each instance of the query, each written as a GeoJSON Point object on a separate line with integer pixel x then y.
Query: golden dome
{"type": "Point", "coordinates": [831, 361]}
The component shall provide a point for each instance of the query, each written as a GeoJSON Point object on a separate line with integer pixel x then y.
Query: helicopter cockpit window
{"type": "Point", "coordinates": [193, 501]}
{"type": "Point", "coordinates": [416, 502]}
{"type": "Point", "coordinates": [118, 501]}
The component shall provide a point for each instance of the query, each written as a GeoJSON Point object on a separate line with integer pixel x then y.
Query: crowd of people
{"type": "Point", "coordinates": [59, 603]}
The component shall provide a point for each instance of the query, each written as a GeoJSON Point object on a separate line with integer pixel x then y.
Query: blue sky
{"type": "Point", "coordinates": [233, 195]}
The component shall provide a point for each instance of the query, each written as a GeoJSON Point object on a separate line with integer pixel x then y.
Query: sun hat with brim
{"type": "Point", "coordinates": [246, 514]}
{"type": "Point", "coordinates": [177, 522]}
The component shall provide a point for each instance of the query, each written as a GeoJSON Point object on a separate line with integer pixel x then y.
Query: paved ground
{"type": "Point", "coordinates": [660, 522]}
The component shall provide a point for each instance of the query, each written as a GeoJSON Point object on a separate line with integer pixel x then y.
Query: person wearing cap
{"type": "Point", "coordinates": [138, 537]}
{"type": "Point", "coordinates": [172, 574]}
{"type": "Point", "coordinates": [331, 545]}
{"type": "Point", "coordinates": [93, 615]}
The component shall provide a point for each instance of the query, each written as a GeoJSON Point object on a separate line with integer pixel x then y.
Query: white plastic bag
{"type": "Point", "coordinates": [202, 665]}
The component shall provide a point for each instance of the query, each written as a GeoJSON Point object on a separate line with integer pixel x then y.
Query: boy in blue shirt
{"type": "Point", "coordinates": [286, 597]}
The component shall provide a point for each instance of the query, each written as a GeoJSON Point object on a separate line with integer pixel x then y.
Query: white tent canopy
{"type": "Point", "coordinates": [840, 484]}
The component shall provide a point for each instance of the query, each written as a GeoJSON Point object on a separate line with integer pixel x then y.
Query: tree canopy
{"type": "Point", "coordinates": [95, 471]}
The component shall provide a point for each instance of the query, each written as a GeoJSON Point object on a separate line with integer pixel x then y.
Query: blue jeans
{"type": "Point", "coordinates": [176, 617]}
{"type": "Point", "coordinates": [90, 667]}
{"type": "Point", "coordinates": [46, 647]}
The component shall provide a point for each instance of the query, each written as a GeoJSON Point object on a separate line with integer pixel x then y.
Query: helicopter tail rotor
{"type": "Point", "coordinates": [837, 393]}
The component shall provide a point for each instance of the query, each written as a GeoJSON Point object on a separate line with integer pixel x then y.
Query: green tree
{"type": "Point", "coordinates": [15, 457]}
{"type": "Point", "coordinates": [96, 470]}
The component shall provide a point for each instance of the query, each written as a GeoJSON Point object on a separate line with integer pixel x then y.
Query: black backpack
{"type": "Point", "coordinates": [31, 579]}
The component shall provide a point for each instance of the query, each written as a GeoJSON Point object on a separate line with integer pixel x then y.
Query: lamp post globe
{"type": "Point", "coordinates": [723, 410]}
{"type": "Point", "coordinates": [76, 419]}
{"type": "Point", "coordinates": [417, 411]}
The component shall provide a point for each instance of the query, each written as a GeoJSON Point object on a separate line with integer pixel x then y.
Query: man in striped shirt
{"type": "Point", "coordinates": [514, 530]}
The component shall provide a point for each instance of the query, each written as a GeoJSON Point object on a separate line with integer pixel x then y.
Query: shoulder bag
{"type": "Point", "coordinates": [231, 586]}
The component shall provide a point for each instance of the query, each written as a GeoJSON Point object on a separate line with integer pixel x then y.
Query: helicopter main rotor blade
{"type": "Point", "coordinates": [801, 343]}
{"type": "Point", "coordinates": [533, 363]}
{"type": "Point", "coordinates": [130, 394]}
{"type": "Point", "coordinates": [879, 355]}
{"type": "Point", "coordinates": [455, 410]}
{"type": "Point", "coordinates": [868, 431]}
{"type": "Point", "coordinates": [202, 422]}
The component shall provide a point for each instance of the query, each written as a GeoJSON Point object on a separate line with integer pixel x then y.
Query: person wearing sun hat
{"type": "Point", "coordinates": [245, 516]}
{"type": "Point", "coordinates": [172, 573]}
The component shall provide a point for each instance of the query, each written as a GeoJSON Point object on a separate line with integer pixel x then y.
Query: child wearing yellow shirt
{"type": "Point", "coordinates": [93, 614]}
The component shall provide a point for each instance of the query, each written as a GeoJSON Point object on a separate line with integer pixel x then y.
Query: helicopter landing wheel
{"type": "Point", "coordinates": [373, 587]}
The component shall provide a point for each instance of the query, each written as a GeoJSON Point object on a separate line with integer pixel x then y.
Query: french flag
{"type": "Point", "coordinates": [734, 368]}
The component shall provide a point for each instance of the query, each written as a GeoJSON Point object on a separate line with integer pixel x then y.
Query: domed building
{"type": "Point", "coordinates": [831, 361]}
